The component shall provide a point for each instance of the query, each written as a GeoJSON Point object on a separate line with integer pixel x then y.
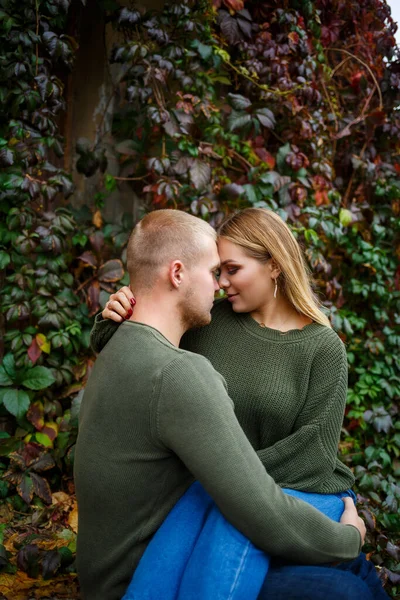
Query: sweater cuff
{"type": "Point", "coordinates": [359, 535]}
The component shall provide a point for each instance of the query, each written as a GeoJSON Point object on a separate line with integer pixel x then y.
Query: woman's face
{"type": "Point", "coordinates": [248, 283]}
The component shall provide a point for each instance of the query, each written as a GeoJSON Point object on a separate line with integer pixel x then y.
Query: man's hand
{"type": "Point", "coordinates": [350, 517]}
{"type": "Point", "coordinates": [120, 305]}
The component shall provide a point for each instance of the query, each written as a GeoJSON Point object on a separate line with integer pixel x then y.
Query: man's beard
{"type": "Point", "coordinates": [192, 315]}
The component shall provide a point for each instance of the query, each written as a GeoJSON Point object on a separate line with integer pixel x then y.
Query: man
{"type": "Point", "coordinates": [155, 417]}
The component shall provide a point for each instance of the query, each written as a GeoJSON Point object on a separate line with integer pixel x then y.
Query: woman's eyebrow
{"type": "Point", "coordinates": [229, 260]}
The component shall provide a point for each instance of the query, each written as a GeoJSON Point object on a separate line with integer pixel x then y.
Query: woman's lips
{"type": "Point", "coordinates": [231, 297]}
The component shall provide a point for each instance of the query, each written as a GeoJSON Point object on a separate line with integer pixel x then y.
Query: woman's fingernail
{"type": "Point", "coordinates": [129, 314]}
{"type": "Point", "coordinates": [132, 301]}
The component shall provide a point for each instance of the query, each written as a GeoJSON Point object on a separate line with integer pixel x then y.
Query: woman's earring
{"type": "Point", "coordinates": [276, 287]}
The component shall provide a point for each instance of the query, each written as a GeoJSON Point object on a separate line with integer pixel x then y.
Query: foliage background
{"type": "Point", "coordinates": [289, 105]}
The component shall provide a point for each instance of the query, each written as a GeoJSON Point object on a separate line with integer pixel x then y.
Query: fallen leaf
{"type": "Point", "coordinates": [61, 498]}
{"type": "Point", "coordinates": [22, 587]}
{"type": "Point", "coordinates": [6, 513]}
{"type": "Point", "coordinates": [73, 518]}
{"type": "Point", "coordinates": [97, 219]}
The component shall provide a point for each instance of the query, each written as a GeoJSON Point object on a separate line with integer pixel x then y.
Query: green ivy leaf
{"type": "Point", "coordinates": [9, 365]}
{"type": "Point", "coordinates": [251, 193]}
{"type": "Point", "coordinates": [281, 156]}
{"type": "Point", "coordinates": [311, 236]}
{"type": "Point", "coordinates": [129, 17]}
{"type": "Point", "coordinates": [44, 440]}
{"type": "Point", "coordinates": [25, 489]}
{"type": "Point", "coordinates": [238, 120]}
{"type": "Point", "coordinates": [6, 157]}
{"type": "Point", "coordinates": [3, 489]}
{"type": "Point", "coordinates": [200, 174]}
{"type": "Point", "coordinates": [16, 402]}
{"type": "Point", "coordinates": [204, 50]}
{"type": "Point", "coordinates": [4, 378]}
{"type": "Point", "coordinates": [266, 117]}
{"type": "Point", "coordinates": [239, 102]}
{"type": "Point", "coordinates": [38, 378]}
{"type": "Point", "coordinates": [110, 182]}
{"type": "Point", "coordinates": [79, 239]}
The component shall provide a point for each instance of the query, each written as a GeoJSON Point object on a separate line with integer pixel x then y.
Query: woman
{"type": "Point", "coordinates": [286, 369]}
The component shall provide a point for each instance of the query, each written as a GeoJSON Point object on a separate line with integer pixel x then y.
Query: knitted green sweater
{"type": "Point", "coordinates": [153, 418]}
{"type": "Point", "coordinates": [289, 392]}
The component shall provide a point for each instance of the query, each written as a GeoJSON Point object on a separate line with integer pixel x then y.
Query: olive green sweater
{"type": "Point", "coordinates": [153, 418]}
{"type": "Point", "coordinates": [289, 392]}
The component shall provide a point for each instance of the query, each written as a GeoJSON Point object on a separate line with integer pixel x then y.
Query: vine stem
{"type": "Point", "coordinates": [330, 104]}
{"type": "Point", "coordinates": [37, 35]}
{"type": "Point", "coordinates": [85, 283]}
{"type": "Point", "coordinates": [262, 86]}
{"type": "Point", "coordinates": [130, 178]}
{"type": "Point", "coordinates": [232, 153]}
{"type": "Point", "coordinates": [34, 179]}
{"type": "Point", "coordinates": [350, 184]}
{"type": "Point", "coordinates": [340, 65]}
{"type": "Point", "coordinates": [351, 55]}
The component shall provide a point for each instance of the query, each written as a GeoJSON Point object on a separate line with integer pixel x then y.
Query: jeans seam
{"type": "Point", "coordinates": [239, 570]}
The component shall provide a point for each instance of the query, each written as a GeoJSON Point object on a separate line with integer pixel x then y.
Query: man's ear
{"type": "Point", "coordinates": [275, 269]}
{"type": "Point", "coordinates": [176, 273]}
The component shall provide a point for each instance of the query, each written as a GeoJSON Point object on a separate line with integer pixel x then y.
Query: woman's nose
{"type": "Point", "coordinates": [223, 282]}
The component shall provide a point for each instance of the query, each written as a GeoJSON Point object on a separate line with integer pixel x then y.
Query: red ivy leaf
{"type": "Point", "coordinates": [234, 5]}
{"type": "Point", "coordinates": [266, 157]}
{"type": "Point", "coordinates": [93, 298]}
{"type": "Point", "coordinates": [88, 258]}
{"type": "Point", "coordinates": [97, 240]}
{"type": "Point", "coordinates": [369, 517]}
{"type": "Point", "coordinates": [378, 117]}
{"type": "Point", "coordinates": [321, 197]}
{"type": "Point", "coordinates": [51, 563]}
{"type": "Point", "coordinates": [34, 351]}
{"type": "Point", "coordinates": [111, 271]}
{"type": "Point", "coordinates": [294, 37]}
{"type": "Point", "coordinates": [51, 430]}
{"type": "Point", "coordinates": [13, 477]}
{"type": "Point", "coordinates": [30, 453]}
{"type": "Point", "coordinates": [44, 462]}
{"type": "Point", "coordinates": [41, 488]}
{"type": "Point", "coordinates": [35, 414]}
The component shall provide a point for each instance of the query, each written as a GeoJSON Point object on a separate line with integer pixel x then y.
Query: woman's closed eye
{"type": "Point", "coordinates": [232, 270]}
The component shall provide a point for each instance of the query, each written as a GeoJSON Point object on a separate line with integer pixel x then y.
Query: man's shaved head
{"type": "Point", "coordinates": [161, 237]}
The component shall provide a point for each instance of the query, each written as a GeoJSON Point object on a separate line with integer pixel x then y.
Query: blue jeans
{"type": "Point", "coordinates": [353, 580]}
{"type": "Point", "coordinates": [197, 555]}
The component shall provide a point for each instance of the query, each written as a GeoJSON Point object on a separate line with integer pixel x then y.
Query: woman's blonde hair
{"type": "Point", "coordinates": [264, 235]}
